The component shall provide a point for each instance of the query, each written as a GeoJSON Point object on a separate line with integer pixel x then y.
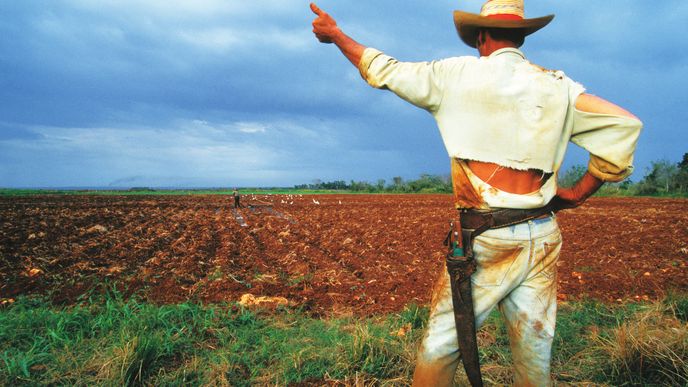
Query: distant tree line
{"type": "Point", "coordinates": [663, 178]}
{"type": "Point", "coordinates": [425, 184]}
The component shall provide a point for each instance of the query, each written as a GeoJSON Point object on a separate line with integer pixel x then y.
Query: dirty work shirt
{"type": "Point", "coordinates": [503, 109]}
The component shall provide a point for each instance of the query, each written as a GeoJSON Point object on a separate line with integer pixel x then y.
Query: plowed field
{"type": "Point", "coordinates": [327, 254]}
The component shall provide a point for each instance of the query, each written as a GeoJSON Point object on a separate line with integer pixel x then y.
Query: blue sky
{"type": "Point", "coordinates": [230, 93]}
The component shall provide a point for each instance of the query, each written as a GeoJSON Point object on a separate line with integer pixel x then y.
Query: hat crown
{"type": "Point", "coordinates": [503, 7]}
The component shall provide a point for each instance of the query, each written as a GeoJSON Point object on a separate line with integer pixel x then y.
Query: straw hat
{"type": "Point", "coordinates": [496, 14]}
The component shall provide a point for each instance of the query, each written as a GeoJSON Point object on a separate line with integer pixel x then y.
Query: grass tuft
{"type": "Point", "coordinates": [651, 349]}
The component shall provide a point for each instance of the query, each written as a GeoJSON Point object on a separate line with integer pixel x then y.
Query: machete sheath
{"type": "Point", "coordinates": [460, 270]}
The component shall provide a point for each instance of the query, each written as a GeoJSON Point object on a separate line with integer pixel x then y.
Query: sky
{"type": "Point", "coordinates": [229, 93]}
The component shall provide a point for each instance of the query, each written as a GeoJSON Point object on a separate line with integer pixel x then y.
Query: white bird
{"type": "Point", "coordinates": [340, 202]}
{"type": "Point", "coordinates": [315, 201]}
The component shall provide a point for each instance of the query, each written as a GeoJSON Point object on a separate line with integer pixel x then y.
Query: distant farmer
{"type": "Point", "coordinates": [506, 124]}
{"type": "Point", "coordinates": [237, 198]}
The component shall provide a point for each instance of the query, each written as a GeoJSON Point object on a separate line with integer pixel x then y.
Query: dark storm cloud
{"type": "Point", "coordinates": [215, 92]}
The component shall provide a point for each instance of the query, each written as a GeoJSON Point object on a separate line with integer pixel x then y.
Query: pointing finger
{"type": "Point", "coordinates": [316, 10]}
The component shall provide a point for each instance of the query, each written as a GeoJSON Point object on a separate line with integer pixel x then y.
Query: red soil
{"type": "Point", "coordinates": [349, 254]}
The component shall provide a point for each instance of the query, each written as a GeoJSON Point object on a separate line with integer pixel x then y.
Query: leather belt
{"type": "Point", "coordinates": [473, 219]}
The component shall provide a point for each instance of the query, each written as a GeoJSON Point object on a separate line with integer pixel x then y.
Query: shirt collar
{"type": "Point", "coordinates": [509, 51]}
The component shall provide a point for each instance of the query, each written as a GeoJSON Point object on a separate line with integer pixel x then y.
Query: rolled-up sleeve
{"type": "Point", "coordinates": [419, 83]}
{"type": "Point", "coordinates": [611, 141]}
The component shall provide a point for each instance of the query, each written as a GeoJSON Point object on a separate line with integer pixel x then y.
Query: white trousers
{"type": "Point", "coordinates": [517, 273]}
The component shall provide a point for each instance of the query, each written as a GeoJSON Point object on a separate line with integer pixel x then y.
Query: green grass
{"type": "Point", "coordinates": [116, 341]}
{"type": "Point", "coordinates": [112, 341]}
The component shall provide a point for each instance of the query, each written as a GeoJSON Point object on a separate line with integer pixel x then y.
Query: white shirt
{"type": "Point", "coordinates": [503, 109]}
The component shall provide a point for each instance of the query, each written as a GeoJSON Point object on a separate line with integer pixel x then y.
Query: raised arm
{"type": "Point", "coordinates": [416, 83]}
{"type": "Point", "coordinates": [326, 30]}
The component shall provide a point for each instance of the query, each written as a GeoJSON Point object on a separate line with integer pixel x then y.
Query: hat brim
{"type": "Point", "coordinates": [467, 25]}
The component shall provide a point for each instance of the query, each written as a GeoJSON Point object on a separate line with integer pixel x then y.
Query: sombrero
{"type": "Point", "coordinates": [496, 14]}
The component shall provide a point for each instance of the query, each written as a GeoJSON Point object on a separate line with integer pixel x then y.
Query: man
{"type": "Point", "coordinates": [237, 198]}
{"type": "Point", "coordinates": [505, 124]}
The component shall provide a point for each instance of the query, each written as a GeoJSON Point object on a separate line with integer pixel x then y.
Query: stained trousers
{"type": "Point", "coordinates": [516, 272]}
